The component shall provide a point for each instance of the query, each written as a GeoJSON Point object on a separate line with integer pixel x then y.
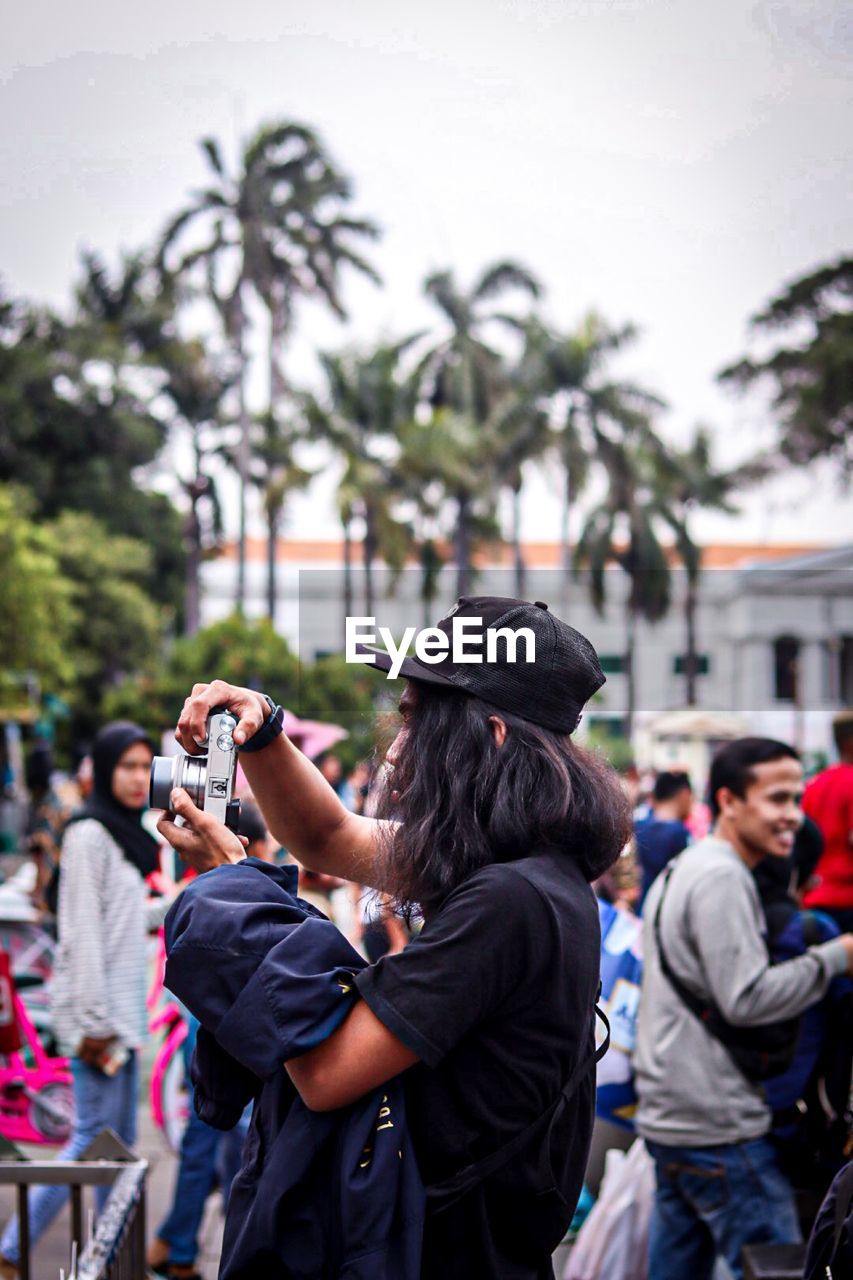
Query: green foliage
{"type": "Point", "coordinates": [334, 690]}
{"type": "Point", "coordinates": [75, 436]}
{"type": "Point", "coordinates": [811, 370]}
{"type": "Point", "coordinates": [250, 653]}
{"type": "Point", "coordinates": [241, 652]}
{"type": "Point", "coordinates": [615, 748]}
{"type": "Point", "coordinates": [37, 614]}
{"type": "Point", "coordinates": [117, 627]}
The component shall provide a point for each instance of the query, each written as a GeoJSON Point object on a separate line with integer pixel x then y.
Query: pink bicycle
{"type": "Point", "coordinates": [36, 1094]}
{"type": "Point", "coordinates": [168, 1087]}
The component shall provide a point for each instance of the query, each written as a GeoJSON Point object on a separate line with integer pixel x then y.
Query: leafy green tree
{"type": "Point", "coordinates": [811, 369]}
{"type": "Point", "coordinates": [241, 652]}
{"type": "Point", "coordinates": [132, 318]}
{"type": "Point", "coordinates": [117, 627]}
{"type": "Point", "coordinates": [337, 692]}
{"type": "Point", "coordinates": [250, 653]}
{"type": "Point", "coordinates": [195, 387]}
{"type": "Point", "coordinates": [37, 613]}
{"type": "Point", "coordinates": [79, 441]}
{"type": "Point", "coordinates": [275, 229]}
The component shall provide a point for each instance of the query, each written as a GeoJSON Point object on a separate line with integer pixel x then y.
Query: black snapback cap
{"type": "Point", "coordinates": [550, 691]}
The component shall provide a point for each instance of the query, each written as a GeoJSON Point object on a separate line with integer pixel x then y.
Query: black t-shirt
{"type": "Point", "coordinates": [496, 997]}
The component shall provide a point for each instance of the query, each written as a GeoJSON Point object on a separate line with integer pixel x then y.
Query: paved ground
{"type": "Point", "coordinates": [52, 1251]}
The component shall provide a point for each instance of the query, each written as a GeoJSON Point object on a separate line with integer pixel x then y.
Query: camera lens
{"type": "Point", "coordinates": [168, 772]}
{"type": "Point", "coordinates": [160, 787]}
{"type": "Point", "coordinates": [191, 773]}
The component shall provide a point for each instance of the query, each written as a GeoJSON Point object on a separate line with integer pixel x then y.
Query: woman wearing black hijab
{"type": "Point", "coordinates": [98, 991]}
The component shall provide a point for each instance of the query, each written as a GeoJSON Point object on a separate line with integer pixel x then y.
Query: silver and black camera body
{"type": "Point", "coordinates": [208, 779]}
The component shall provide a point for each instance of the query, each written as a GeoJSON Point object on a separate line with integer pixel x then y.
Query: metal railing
{"type": "Point", "coordinates": [116, 1247]}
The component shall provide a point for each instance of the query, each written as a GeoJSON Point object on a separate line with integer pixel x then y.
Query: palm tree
{"type": "Point", "coordinates": [621, 529]}
{"type": "Point", "coordinates": [586, 408]}
{"type": "Point", "coordinates": [277, 475]}
{"type": "Point", "coordinates": [197, 390]}
{"type": "Point", "coordinates": [685, 480]}
{"type": "Point", "coordinates": [467, 377]}
{"type": "Point", "coordinates": [521, 432]}
{"type": "Point", "coordinates": [366, 404]}
{"type": "Point", "coordinates": [132, 316]}
{"type": "Point", "coordinates": [275, 230]}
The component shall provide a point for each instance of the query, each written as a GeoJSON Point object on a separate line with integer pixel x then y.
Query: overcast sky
{"type": "Point", "coordinates": [668, 162]}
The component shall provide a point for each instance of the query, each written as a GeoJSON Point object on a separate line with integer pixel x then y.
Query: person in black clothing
{"type": "Point", "coordinates": [493, 824]}
{"type": "Point", "coordinates": [662, 834]}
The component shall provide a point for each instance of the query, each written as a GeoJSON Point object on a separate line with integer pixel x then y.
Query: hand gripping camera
{"type": "Point", "coordinates": [208, 779]}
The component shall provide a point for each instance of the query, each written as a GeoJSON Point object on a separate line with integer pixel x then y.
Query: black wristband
{"type": "Point", "coordinates": [269, 730]}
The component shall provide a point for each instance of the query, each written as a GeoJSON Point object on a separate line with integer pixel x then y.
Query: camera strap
{"type": "Point", "coordinates": [441, 1195]}
{"type": "Point", "coordinates": [759, 1052]}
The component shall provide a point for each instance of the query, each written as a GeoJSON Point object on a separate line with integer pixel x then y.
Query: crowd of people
{"type": "Point", "coordinates": [460, 871]}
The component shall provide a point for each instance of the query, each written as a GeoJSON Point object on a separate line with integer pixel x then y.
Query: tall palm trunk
{"type": "Point", "coordinates": [462, 542]}
{"type": "Point", "coordinates": [192, 540]}
{"type": "Point", "coordinates": [519, 565]}
{"type": "Point", "coordinates": [273, 522]}
{"type": "Point", "coordinates": [279, 324]}
{"type": "Point", "coordinates": [238, 331]}
{"type": "Point", "coordinates": [691, 656]}
{"type": "Point", "coordinates": [630, 659]}
{"type": "Point", "coordinates": [277, 388]}
{"type": "Point", "coordinates": [566, 558]}
{"type": "Point", "coordinates": [196, 488]}
{"type": "Point", "coordinates": [369, 548]}
{"type": "Point", "coordinates": [430, 569]}
{"type": "Point", "coordinates": [348, 597]}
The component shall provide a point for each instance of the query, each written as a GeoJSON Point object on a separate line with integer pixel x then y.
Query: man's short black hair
{"type": "Point", "coordinates": [668, 783]}
{"type": "Point", "coordinates": [734, 763]}
{"type": "Point", "coordinates": [842, 729]}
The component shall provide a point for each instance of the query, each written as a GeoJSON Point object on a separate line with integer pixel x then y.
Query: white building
{"type": "Point", "coordinates": [774, 626]}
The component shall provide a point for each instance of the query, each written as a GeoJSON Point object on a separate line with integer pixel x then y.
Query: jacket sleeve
{"type": "Point", "coordinates": [726, 926]}
{"type": "Point", "coordinates": [86, 857]}
{"type": "Point", "coordinates": [265, 978]}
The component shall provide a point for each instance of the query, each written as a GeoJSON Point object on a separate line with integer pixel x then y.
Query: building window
{"type": "Point", "coordinates": [786, 661]}
{"type": "Point", "coordinates": [679, 664]}
{"type": "Point", "coordinates": [606, 726]}
{"type": "Point", "coordinates": [845, 671]}
{"type": "Point", "coordinates": [612, 663]}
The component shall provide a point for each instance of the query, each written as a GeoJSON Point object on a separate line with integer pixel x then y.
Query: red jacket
{"type": "Point", "coordinates": [828, 801]}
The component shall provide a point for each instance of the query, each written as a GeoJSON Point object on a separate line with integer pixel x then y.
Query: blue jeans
{"type": "Point", "coordinates": [101, 1102]}
{"type": "Point", "coordinates": [205, 1154]}
{"type": "Point", "coordinates": [710, 1202]}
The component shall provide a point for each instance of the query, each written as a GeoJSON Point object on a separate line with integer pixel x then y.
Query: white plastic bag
{"type": "Point", "coordinates": [612, 1244]}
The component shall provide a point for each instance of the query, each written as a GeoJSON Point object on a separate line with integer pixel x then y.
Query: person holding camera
{"type": "Point", "coordinates": [717, 1019]}
{"type": "Point", "coordinates": [493, 824]}
{"type": "Point", "coordinates": [98, 988]}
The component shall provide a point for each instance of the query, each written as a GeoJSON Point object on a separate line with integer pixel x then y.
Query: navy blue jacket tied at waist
{"type": "Point", "coordinates": [320, 1194]}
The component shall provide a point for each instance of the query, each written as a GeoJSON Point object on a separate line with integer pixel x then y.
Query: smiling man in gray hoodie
{"type": "Point", "coordinates": [705, 1121]}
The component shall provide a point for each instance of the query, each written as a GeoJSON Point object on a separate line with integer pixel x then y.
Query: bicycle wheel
{"type": "Point", "coordinates": [170, 1106]}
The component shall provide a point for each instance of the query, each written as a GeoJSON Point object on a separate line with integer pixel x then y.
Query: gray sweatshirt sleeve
{"type": "Point", "coordinates": [86, 851]}
{"type": "Point", "coordinates": [726, 926]}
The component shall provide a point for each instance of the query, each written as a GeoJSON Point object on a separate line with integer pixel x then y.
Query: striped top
{"type": "Point", "coordinates": [99, 977]}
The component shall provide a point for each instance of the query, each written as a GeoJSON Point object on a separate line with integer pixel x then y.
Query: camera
{"type": "Point", "coordinates": [208, 779]}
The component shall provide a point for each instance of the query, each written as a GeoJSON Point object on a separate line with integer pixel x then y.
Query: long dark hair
{"type": "Point", "coordinates": [462, 802]}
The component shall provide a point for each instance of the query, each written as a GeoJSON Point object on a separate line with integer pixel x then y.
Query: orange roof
{"type": "Point", "coordinates": [537, 555]}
